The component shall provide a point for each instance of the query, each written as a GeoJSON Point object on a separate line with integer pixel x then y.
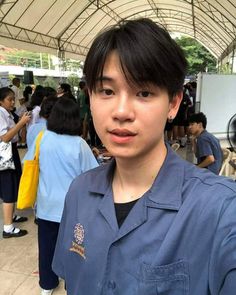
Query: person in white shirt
{"type": "Point", "coordinates": [9, 179]}
{"type": "Point", "coordinates": [18, 92]}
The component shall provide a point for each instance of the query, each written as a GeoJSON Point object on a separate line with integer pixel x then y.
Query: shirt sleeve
{"type": "Point", "coordinates": [30, 152]}
{"type": "Point", "coordinates": [3, 125]}
{"type": "Point", "coordinates": [204, 147]}
{"type": "Point", "coordinates": [60, 253]}
{"type": "Point", "coordinates": [222, 269]}
{"type": "Point", "coordinates": [87, 159]}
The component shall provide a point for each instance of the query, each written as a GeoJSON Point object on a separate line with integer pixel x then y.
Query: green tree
{"type": "Point", "coordinates": [36, 81]}
{"type": "Point", "coordinates": [73, 80]}
{"type": "Point", "coordinates": [199, 58]}
{"type": "Point", "coordinates": [50, 82]}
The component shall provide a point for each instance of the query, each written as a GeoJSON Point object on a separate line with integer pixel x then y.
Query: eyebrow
{"type": "Point", "coordinates": [104, 78]}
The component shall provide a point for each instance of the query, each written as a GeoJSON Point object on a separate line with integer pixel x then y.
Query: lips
{"type": "Point", "coordinates": [122, 136]}
{"type": "Point", "coordinates": [122, 132]}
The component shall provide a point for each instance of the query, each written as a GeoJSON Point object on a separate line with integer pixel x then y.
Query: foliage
{"type": "Point", "coordinates": [225, 69]}
{"type": "Point", "coordinates": [50, 82]}
{"type": "Point", "coordinates": [28, 59]}
{"type": "Point", "coordinates": [199, 58]}
{"type": "Point", "coordinates": [25, 59]}
{"type": "Point", "coordinates": [72, 65]}
{"type": "Point", "coordinates": [36, 81]}
{"type": "Point", "coordinates": [73, 80]}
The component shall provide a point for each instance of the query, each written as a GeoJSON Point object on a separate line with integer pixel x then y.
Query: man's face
{"type": "Point", "coordinates": [17, 83]}
{"type": "Point", "coordinates": [130, 119]}
{"type": "Point", "coordinates": [59, 91]}
{"type": "Point", "coordinates": [194, 128]}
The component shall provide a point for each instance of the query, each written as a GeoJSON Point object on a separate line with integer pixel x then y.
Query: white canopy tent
{"type": "Point", "coordinates": [68, 27]}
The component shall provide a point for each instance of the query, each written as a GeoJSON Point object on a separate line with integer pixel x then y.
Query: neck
{"type": "Point", "coordinates": [132, 178]}
{"type": "Point", "coordinates": [200, 131]}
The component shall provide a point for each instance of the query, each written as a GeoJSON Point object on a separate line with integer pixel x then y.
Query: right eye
{"type": "Point", "coordinates": [107, 92]}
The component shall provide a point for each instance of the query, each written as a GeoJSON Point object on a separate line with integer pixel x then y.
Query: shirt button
{"type": "Point", "coordinates": [111, 285]}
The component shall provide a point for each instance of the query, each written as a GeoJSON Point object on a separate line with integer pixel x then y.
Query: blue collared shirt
{"type": "Point", "coordinates": [34, 130]}
{"type": "Point", "coordinates": [178, 239]}
{"type": "Point", "coordinates": [61, 159]}
{"type": "Point", "coordinates": [208, 145]}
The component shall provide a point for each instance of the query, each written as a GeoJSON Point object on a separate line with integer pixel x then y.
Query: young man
{"type": "Point", "coordinates": [18, 92]}
{"type": "Point", "coordinates": [205, 145]}
{"type": "Point", "coordinates": [148, 223]}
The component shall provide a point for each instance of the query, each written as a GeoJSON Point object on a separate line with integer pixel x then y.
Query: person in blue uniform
{"type": "Point", "coordinates": [206, 146]}
{"type": "Point", "coordinates": [148, 222]}
{"type": "Point", "coordinates": [63, 156]}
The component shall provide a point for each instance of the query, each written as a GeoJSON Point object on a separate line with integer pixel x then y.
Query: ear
{"type": "Point", "coordinates": [174, 104]}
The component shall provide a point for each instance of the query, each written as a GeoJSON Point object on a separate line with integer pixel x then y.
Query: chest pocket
{"type": "Point", "coordinates": [170, 279]}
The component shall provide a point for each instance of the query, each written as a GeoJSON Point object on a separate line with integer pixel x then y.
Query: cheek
{"type": "Point", "coordinates": [98, 118]}
{"type": "Point", "coordinates": [157, 119]}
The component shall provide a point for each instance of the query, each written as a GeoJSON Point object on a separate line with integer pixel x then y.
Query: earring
{"type": "Point", "coordinates": [170, 120]}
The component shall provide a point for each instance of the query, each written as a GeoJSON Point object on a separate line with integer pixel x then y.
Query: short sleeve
{"type": "Point", "coordinates": [3, 124]}
{"type": "Point", "coordinates": [222, 269]}
{"type": "Point", "coordinates": [204, 147]}
{"type": "Point", "coordinates": [60, 252]}
{"type": "Point", "coordinates": [87, 159]}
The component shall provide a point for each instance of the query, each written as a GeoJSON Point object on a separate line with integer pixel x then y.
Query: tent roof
{"type": "Point", "coordinates": [71, 25]}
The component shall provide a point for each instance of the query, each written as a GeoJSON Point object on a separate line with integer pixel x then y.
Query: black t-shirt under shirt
{"type": "Point", "coordinates": [122, 211]}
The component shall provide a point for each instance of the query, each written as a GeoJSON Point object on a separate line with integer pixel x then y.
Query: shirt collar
{"type": "Point", "coordinates": [166, 191]}
{"type": "Point", "coordinates": [6, 113]}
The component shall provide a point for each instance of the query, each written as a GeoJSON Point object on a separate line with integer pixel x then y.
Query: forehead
{"type": "Point", "coordinates": [114, 71]}
{"type": "Point", "coordinates": [112, 63]}
{"type": "Point", "coordinates": [10, 95]}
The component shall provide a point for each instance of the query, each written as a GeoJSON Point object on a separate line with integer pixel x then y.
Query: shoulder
{"type": "Point", "coordinates": [95, 175]}
{"type": "Point", "coordinates": [205, 184]}
{"type": "Point", "coordinates": [3, 112]}
{"type": "Point", "coordinates": [64, 142]}
{"type": "Point", "coordinates": [205, 137]}
{"type": "Point", "coordinates": [95, 182]}
{"type": "Point", "coordinates": [196, 184]}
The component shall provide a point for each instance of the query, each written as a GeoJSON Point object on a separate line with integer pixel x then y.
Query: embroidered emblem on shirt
{"type": "Point", "coordinates": [77, 245]}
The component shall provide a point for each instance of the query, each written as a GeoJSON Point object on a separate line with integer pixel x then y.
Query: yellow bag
{"type": "Point", "coordinates": [29, 179]}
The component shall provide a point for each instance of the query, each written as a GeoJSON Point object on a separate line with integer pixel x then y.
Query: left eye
{"type": "Point", "coordinates": [144, 94]}
{"type": "Point", "coordinates": [108, 91]}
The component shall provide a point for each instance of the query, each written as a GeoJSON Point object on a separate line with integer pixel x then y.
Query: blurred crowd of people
{"type": "Point", "coordinates": [65, 152]}
{"type": "Point", "coordinates": [177, 129]}
{"type": "Point", "coordinates": [30, 100]}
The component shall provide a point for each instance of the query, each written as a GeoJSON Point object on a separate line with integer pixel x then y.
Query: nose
{"type": "Point", "coordinates": [124, 108]}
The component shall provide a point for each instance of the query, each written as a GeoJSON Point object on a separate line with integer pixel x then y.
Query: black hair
{"type": "Point", "coordinates": [49, 91]}
{"type": "Point", "coordinates": [69, 96]}
{"type": "Point", "coordinates": [4, 92]}
{"type": "Point", "coordinates": [28, 90]}
{"type": "Point", "coordinates": [147, 54]}
{"type": "Point", "coordinates": [198, 118]}
{"type": "Point", "coordinates": [38, 96]}
{"type": "Point", "coordinates": [65, 87]}
{"type": "Point", "coordinates": [193, 84]}
{"type": "Point", "coordinates": [82, 84]}
{"type": "Point", "coordinates": [64, 117]}
{"type": "Point", "coordinates": [38, 88]}
{"type": "Point", "coordinates": [15, 80]}
{"type": "Point", "coordinates": [47, 105]}
{"type": "Point", "coordinates": [67, 91]}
